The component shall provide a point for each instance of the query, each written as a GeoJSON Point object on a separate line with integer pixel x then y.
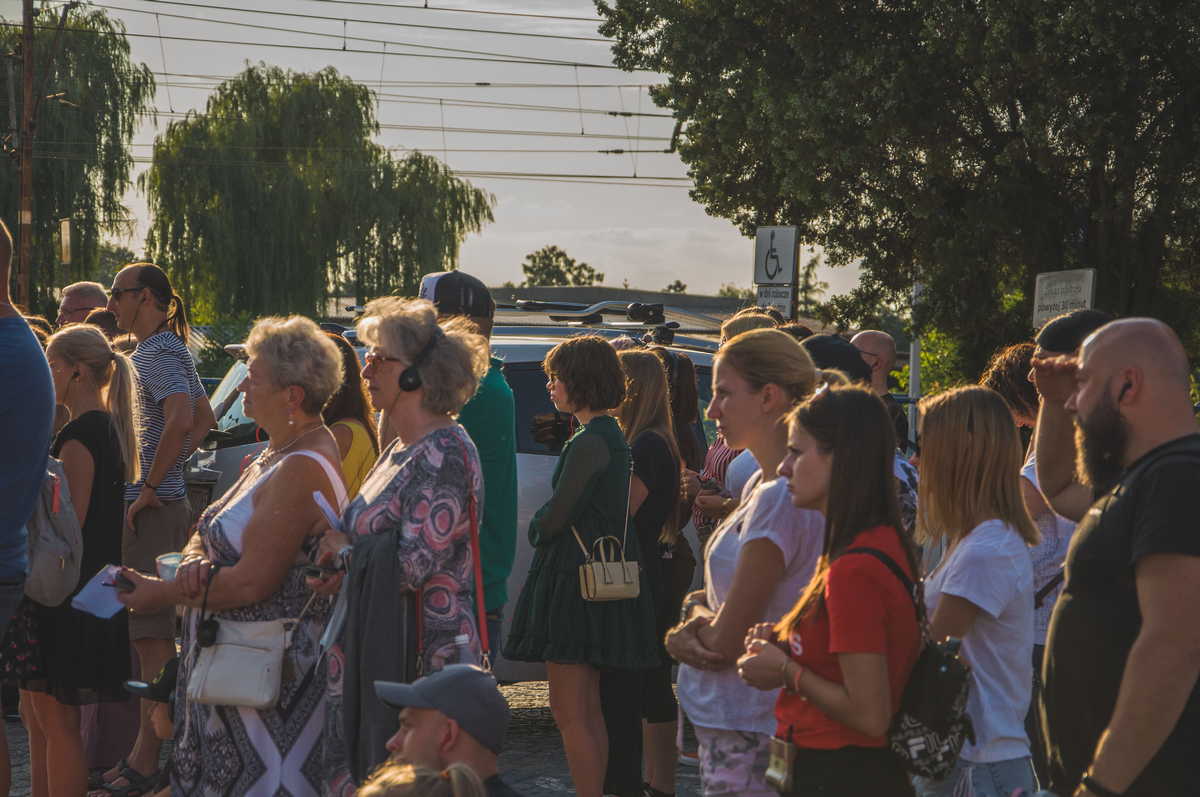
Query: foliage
{"type": "Point", "coordinates": [810, 290]}
{"type": "Point", "coordinates": [678, 286]}
{"type": "Point", "coordinates": [214, 361]}
{"type": "Point", "coordinates": [81, 148]}
{"type": "Point", "coordinates": [551, 266]}
{"type": "Point", "coordinates": [276, 194]}
{"type": "Point", "coordinates": [730, 291]}
{"type": "Point", "coordinates": [969, 146]}
{"type": "Point", "coordinates": [942, 365]}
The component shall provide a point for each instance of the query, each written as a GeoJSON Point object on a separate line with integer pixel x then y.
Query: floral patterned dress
{"type": "Point", "coordinates": [230, 750]}
{"type": "Point", "coordinates": [424, 494]}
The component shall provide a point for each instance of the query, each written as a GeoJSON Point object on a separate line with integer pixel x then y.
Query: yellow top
{"type": "Point", "coordinates": [359, 459]}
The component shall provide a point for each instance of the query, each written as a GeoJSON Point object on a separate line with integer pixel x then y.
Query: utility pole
{"type": "Point", "coordinates": [25, 212]}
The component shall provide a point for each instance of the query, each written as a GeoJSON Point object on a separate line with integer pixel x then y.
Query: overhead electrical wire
{"type": "Point", "coordinates": [466, 84]}
{"type": "Point", "coordinates": [416, 99]}
{"type": "Point", "coordinates": [390, 23]}
{"type": "Point", "coordinates": [315, 48]}
{"type": "Point", "coordinates": [488, 12]}
{"type": "Point", "coordinates": [492, 150]}
{"type": "Point", "coordinates": [344, 37]}
{"type": "Point", "coordinates": [586, 179]}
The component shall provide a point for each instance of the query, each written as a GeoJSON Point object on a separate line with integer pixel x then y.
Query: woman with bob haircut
{"type": "Point", "coordinates": [408, 541]}
{"type": "Point", "coordinates": [246, 562]}
{"type": "Point", "coordinates": [756, 563]}
{"type": "Point", "coordinates": [844, 652]}
{"type": "Point", "coordinates": [592, 492]}
{"type": "Point", "coordinates": [982, 591]}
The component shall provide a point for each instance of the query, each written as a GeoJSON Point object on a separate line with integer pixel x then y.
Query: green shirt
{"type": "Point", "coordinates": [490, 419]}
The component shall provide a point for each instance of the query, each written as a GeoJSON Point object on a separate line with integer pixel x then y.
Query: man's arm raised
{"type": "Point", "coordinates": [1054, 439]}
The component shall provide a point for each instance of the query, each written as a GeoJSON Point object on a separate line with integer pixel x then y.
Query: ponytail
{"type": "Point", "coordinates": [122, 401]}
{"type": "Point", "coordinates": [177, 320]}
{"type": "Point", "coordinates": [86, 346]}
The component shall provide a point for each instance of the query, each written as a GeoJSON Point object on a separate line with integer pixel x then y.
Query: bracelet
{"type": "Point", "coordinates": [687, 607]}
{"type": "Point", "coordinates": [1089, 783]}
{"type": "Point", "coordinates": [154, 487]}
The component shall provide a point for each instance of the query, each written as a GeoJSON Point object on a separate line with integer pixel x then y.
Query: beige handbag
{"type": "Point", "coordinates": [605, 575]}
{"type": "Point", "coordinates": [244, 666]}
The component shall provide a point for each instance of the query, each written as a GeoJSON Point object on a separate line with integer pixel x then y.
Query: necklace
{"type": "Point", "coordinates": [269, 456]}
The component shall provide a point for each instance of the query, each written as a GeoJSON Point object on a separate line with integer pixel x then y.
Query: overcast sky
{"type": "Point", "coordinates": [649, 233]}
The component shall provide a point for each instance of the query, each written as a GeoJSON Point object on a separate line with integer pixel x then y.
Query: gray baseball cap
{"type": "Point", "coordinates": [463, 692]}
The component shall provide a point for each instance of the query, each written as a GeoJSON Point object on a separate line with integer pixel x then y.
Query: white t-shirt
{"type": "Point", "coordinates": [738, 473]}
{"type": "Point", "coordinates": [1048, 556]}
{"type": "Point", "coordinates": [991, 567]}
{"type": "Point", "coordinates": [720, 699]}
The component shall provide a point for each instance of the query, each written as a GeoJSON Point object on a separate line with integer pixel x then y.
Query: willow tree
{"type": "Point", "coordinates": [276, 193]}
{"type": "Point", "coordinates": [94, 98]}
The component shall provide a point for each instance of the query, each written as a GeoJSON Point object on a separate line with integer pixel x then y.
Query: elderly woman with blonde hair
{"type": "Point", "coordinates": [408, 542]}
{"type": "Point", "coordinates": [245, 564]}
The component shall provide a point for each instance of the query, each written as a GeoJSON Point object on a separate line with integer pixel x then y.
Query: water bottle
{"type": "Point", "coordinates": [463, 643]}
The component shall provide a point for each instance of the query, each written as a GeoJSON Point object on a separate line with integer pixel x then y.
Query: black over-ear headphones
{"type": "Point", "coordinates": [410, 377]}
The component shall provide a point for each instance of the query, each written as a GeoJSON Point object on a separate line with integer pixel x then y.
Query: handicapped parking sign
{"type": "Point", "coordinates": [776, 251]}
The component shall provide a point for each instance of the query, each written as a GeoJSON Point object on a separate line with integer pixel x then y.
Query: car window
{"type": "Point", "coordinates": [540, 428]}
{"type": "Point", "coordinates": [703, 397]}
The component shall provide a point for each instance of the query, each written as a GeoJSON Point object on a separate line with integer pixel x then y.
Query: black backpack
{"type": "Point", "coordinates": [932, 725]}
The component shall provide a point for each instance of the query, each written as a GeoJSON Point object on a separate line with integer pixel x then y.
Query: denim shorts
{"type": "Point", "coordinates": [996, 779]}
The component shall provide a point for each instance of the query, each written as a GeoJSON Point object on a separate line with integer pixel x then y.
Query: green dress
{"type": "Point", "coordinates": [552, 621]}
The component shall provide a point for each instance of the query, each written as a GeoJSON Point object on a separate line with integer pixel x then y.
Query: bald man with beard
{"type": "Point", "coordinates": [1121, 706]}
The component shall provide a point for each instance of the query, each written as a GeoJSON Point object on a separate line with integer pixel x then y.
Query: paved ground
{"type": "Point", "coordinates": [533, 763]}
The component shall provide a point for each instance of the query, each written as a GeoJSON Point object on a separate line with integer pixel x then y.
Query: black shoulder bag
{"type": "Point", "coordinates": [932, 725]}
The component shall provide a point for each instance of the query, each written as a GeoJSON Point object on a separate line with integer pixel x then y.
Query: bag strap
{"type": "Point", "coordinates": [912, 588]}
{"type": "Point", "coordinates": [587, 555]}
{"type": "Point", "coordinates": [473, 532]}
{"type": "Point", "coordinates": [1040, 597]}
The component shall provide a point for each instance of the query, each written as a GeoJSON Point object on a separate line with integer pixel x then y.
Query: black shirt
{"type": "Point", "coordinates": [498, 788]}
{"type": "Point", "coordinates": [1154, 509]}
{"type": "Point", "coordinates": [658, 469]}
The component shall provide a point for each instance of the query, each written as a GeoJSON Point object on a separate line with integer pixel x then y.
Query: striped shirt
{"type": "Point", "coordinates": [164, 368]}
{"type": "Point", "coordinates": [716, 462]}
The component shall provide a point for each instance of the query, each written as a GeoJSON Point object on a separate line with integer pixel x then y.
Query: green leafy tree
{"type": "Point", "coordinates": [94, 97]}
{"type": "Point", "coordinates": [275, 195]}
{"type": "Point", "coordinates": [678, 286]}
{"type": "Point", "coordinates": [551, 266]}
{"type": "Point", "coordinates": [810, 290]}
{"type": "Point", "coordinates": [730, 291]}
{"type": "Point", "coordinates": [967, 146]}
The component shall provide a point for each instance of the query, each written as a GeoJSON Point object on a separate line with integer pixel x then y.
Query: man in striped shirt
{"type": "Point", "coordinates": [175, 417]}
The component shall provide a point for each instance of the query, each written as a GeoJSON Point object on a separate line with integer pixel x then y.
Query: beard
{"type": "Point", "coordinates": [1100, 442]}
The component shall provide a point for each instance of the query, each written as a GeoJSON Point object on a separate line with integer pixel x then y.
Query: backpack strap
{"type": "Point", "coordinates": [912, 588]}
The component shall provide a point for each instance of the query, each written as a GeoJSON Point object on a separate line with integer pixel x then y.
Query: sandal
{"type": "Point", "coordinates": [96, 776]}
{"type": "Point", "coordinates": [136, 784]}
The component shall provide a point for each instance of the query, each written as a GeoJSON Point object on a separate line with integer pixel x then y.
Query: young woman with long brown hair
{"type": "Point", "coordinates": [629, 698]}
{"type": "Point", "coordinates": [845, 650]}
{"type": "Point", "coordinates": [348, 416]}
{"type": "Point", "coordinates": [982, 591]}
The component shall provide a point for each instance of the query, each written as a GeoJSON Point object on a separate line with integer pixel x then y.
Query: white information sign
{"type": "Point", "coordinates": [1059, 292]}
{"type": "Point", "coordinates": [10, 10]}
{"type": "Point", "coordinates": [781, 297]}
{"type": "Point", "coordinates": [776, 252]}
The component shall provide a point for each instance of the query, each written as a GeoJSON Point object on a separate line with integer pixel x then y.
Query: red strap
{"type": "Point", "coordinates": [480, 611]}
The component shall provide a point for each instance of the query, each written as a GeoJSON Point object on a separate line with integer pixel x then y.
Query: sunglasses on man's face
{"type": "Point", "coordinates": [115, 293]}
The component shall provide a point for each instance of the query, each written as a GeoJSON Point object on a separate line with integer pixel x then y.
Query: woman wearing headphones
{"type": "Point", "coordinates": [409, 540]}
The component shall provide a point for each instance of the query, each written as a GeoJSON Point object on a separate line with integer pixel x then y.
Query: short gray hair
{"type": "Point", "coordinates": [297, 353]}
{"type": "Point", "coordinates": [91, 291]}
{"type": "Point", "coordinates": [451, 372]}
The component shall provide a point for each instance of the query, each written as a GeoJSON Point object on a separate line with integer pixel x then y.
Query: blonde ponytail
{"type": "Point", "coordinates": [86, 346]}
{"type": "Point", "coordinates": [122, 401]}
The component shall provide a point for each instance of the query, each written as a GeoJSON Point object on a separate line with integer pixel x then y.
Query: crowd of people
{"type": "Point", "coordinates": [326, 624]}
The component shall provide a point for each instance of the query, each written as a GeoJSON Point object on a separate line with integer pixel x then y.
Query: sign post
{"type": "Point", "coordinates": [1059, 292]}
{"type": "Point", "coordinates": [776, 268]}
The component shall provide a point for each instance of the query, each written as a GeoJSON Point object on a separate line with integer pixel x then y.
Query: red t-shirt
{"type": "Point", "coordinates": [867, 610]}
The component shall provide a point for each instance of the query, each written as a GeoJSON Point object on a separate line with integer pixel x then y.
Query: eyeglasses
{"type": "Point", "coordinates": [375, 357]}
{"type": "Point", "coordinates": [115, 293]}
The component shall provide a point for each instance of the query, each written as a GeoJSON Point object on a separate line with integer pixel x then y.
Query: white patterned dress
{"type": "Point", "coordinates": [229, 750]}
